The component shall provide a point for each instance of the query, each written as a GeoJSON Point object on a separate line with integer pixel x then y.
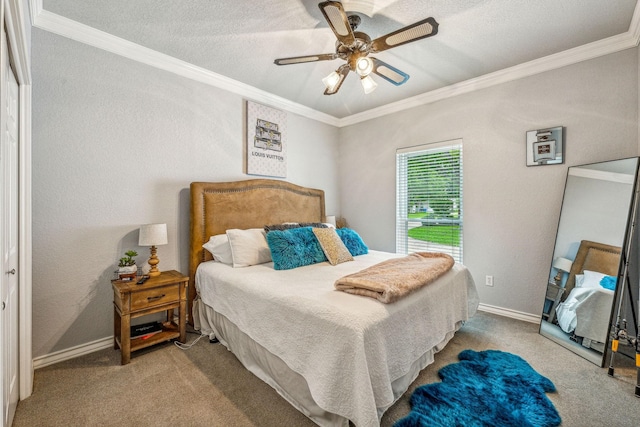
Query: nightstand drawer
{"type": "Point", "coordinates": [154, 297]}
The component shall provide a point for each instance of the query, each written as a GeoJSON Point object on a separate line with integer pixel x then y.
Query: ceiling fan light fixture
{"type": "Point", "coordinates": [331, 81]}
{"type": "Point", "coordinates": [364, 66]}
{"type": "Point", "coordinates": [354, 47]}
{"type": "Point", "coordinates": [368, 84]}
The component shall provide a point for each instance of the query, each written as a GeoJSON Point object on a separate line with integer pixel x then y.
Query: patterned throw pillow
{"type": "Point", "coordinates": [332, 245]}
{"type": "Point", "coordinates": [281, 227]}
{"type": "Point", "coordinates": [352, 241]}
{"type": "Point", "coordinates": [291, 225]}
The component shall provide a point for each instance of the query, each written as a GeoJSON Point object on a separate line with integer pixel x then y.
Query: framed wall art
{"type": "Point", "coordinates": [545, 146]}
{"type": "Point", "coordinates": [266, 141]}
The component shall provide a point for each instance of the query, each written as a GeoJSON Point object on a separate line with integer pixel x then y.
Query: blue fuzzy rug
{"type": "Point", "coordinates": [487, 388]}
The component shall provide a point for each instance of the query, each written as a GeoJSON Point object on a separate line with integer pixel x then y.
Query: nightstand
{"type": "Point", "coordinates": [165, 292]}
{"type": "Point", "coordinates": [554, 294]}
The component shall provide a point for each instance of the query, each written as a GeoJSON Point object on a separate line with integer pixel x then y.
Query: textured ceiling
{"type": "Point", "coordinates": [240, 39]}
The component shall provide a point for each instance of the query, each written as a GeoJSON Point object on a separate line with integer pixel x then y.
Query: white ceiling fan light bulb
{"type": "Point", "coordinates": [368, 84]}
{"type": "Point", "coordinates": [364, 66]}
{"type": "Point", "coordinates": [331, 81]}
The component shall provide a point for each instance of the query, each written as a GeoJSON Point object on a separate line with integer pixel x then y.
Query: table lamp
{"type": "Point", "coordinates": [153, 235]}
{"type": "Point", "coordinates": [562, 265]}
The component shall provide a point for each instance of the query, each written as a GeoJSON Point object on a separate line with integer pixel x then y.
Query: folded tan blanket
{"type": "Point", "coordinates": [390, 280]}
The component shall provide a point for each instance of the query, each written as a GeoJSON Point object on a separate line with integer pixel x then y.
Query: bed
{"type": "Point", "coordinates": [586, 309]}
{"type": "Point", "coordinates": [334, 356]}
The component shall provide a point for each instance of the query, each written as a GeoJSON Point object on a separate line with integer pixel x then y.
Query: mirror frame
{"type": "Point", "coordinates": [553, 331]}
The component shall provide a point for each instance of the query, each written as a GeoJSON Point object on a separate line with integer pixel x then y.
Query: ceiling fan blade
{"type": "Point", "coordinates": [389, 73]}
{"type": "Point", "coordinates": [338, 21]}
{"type": "Point", "coordinates": [303, 59]}
{"type": "Point", "coordinates": [419, 30]}
{"type": "Point", "coordinates": [342, 74]}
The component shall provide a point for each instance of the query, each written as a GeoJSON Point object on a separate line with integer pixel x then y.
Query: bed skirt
{"type": "Point", "coordinates": [289, 384]}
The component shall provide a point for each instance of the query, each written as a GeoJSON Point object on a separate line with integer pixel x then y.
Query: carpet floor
{"type": "Point", "coordinates": [207, 386]}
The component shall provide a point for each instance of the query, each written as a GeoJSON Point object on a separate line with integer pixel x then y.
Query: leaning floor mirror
{"type": "Point", "coordinates": [593, 232]}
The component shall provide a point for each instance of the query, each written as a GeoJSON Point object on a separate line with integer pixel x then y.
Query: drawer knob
{"type": "Point", "coordinates": [155, 298]}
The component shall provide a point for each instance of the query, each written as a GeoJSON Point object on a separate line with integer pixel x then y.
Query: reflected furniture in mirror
{"type": "Point", "coordinates": [555, 291]}
{"type": "Point", "coordinates": [586, 267]}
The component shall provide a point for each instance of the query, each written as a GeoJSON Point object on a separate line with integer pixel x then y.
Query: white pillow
{"type": "Point", "coordinates": [249, 247]}
{"type": "Point", "coordinates": [579, 280]}
{"type": "Point", "coordinates": [220, 248]}
{"type": "Point", "coordinates": [592, 279]}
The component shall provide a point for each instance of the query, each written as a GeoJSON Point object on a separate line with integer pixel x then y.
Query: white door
{"type": "Point", "coordinates": [9, 236]}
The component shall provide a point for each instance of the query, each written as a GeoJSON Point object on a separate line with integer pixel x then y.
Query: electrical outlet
{"type": "Point", "coordinates": [488, 280]}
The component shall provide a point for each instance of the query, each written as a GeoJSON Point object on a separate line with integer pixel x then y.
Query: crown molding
{"type": "Point", "coordinates": [14, 22]}
{"type": "Point", "coordinates": [634, 26]}
{"type": "Point", "coordinates": [74, 30]}
{"type": "Point", "coordinates": [552, 62]}
{"type": "Point", "coordinates": [621, 178]}
{"type": "Point", "coordinates": [88, 35]}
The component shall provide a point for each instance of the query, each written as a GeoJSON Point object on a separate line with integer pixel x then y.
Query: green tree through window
{"type": "Point", "coordinates": [429, 199]}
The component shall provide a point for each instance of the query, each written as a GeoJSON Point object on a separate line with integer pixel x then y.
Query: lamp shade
{"type": "Point", "coordinates": [331, 81]}
{"type": "Point", "coordinates": [563, 264]}
{"type": "Point", "coordinates": [368, 84]}
{"type": "Point", "coordinates": [331, 219]}
{"type": "Point", "coordinates": [153, 235]}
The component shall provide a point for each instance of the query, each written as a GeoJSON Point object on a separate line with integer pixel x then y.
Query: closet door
{"type": "Point", "coordinates": [9, 236]}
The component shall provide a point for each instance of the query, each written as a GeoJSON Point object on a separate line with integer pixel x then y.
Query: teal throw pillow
{"type": "Point", "coordinates": [352, 241]}
{"type": "Point", "coordinates": [294, 248]}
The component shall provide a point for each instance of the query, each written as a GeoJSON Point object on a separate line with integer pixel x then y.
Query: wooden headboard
{"type": "Point", "coordinates": [593, 256]}
{"type": "Point", "coordinates": [219, 206]}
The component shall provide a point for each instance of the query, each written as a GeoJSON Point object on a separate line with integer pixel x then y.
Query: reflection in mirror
{"type": "Point", "coordinates": [586, 262]}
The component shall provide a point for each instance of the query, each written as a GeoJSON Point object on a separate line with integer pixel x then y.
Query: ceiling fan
{"type": "Point", "coordinates": [355, 47]}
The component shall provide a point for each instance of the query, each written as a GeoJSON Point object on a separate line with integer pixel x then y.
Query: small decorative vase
{"type": "Point", "coordinates": [128, 272]}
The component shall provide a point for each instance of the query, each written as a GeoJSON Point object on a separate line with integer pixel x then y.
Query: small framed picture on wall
{"type": "Point", "coordinates": [266, 141]}
{"type": "Point", "coordinates": [545, 146]}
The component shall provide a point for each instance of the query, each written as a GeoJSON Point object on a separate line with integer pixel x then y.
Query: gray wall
{"type": "Point", "coordinates": [510, 211]}
{"type": "Point", "coordinates": [115, 145]}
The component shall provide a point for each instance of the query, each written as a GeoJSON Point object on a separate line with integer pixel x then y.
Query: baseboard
{"type": "Point", "coordinates": [513, 314]}
{"type": "Point", "coordinates": [73, 352]}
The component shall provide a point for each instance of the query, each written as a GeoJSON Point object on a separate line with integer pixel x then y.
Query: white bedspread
{"type": "Point", "coordinates": [587, 311]}
{"type": "Point", "coordinates": [348, 348]}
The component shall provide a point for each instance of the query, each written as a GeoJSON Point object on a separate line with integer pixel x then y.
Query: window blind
{"type": "Point", "coordinates": [429, 214]}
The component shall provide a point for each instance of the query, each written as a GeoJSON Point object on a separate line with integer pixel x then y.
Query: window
{"type": "Point", "coordinates": [429, 199]}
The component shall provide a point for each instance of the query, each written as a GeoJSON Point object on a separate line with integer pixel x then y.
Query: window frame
{"type": "Point", "coordinates": [403, 244]}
